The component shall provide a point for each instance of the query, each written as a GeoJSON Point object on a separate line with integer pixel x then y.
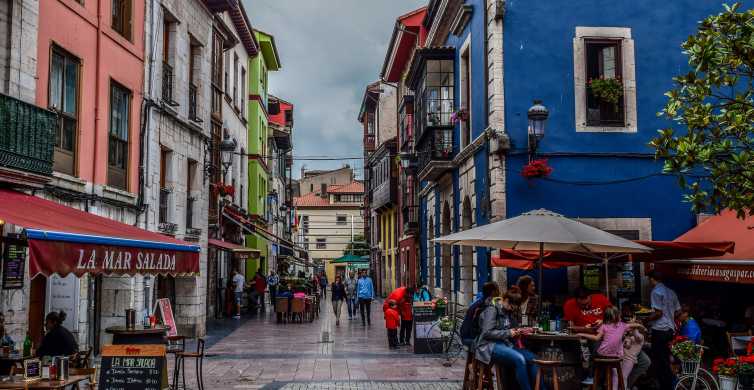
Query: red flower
{"type": "Point", "coordinates": [730, 362]}
{"type": "Point", "coordinates": [536, 168]}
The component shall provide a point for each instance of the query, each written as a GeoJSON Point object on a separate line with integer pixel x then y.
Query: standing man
{"type": "Point", "coordinates": [272, 282]}
{"type": "Point", "coordinates": [260, 285]}
{"type": "Point", "coordinates": [365, 293]}
{"type": "Point", "coordinates": [351, 294]}
{"type": "Point", "coordinates": [662, 324]}
{"type": "Point", "coordinates": [323, 284]}
{"type": "Point", "coordinates": [239, 282]}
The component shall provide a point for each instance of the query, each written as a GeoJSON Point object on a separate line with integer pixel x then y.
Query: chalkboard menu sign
{"type": "Point", "coordinates": [427, 336]}
{"type": "Point", "coordinates": [14, 260]}
{"type": "Point", "coordinates": [133, 367]}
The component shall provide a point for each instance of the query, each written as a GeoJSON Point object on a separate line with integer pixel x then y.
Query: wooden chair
{"type": "Point", "coordinates": [548, 365]}
{"type": "Point", "coordinates": [198, 357]}
{"type": "Point", "coordinates": [298, 307]}
{"type": "Point", "coordinates": [732, 344]}
{"type": "Point", "coordinates": [81, 359]}
{"type": "Point", "coordinates": [84, 371]}
{"type": "Point", "coordinates": [604, 366]}
{"type": "Point", "coordinates": [281, 309]}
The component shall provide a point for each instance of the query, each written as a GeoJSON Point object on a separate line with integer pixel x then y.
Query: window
{"type": "Point", "coordinates": [235, 80]}
{"type": "Point", "coordinates": [341, 219]}
{"type": "Point", "coordinates": [164, 190]}
{"type": "Point", "coordinates": [604, 53]}
{"type": "Point", "coordinates": [194, 61]}
{"type": "Point", "coordinates": [603, 61]}
{"type": "Point", "coordinates": [120, 107]}
{"type": "Point", "coordinates": [167, 69]}
{"type": "Point", "coordinates": [189, 193]}
{"type": "Point", "coordinates": [306, 243]}
{"type": "Point", "coordinates": [227, 72]}
{"type": "Point", "coordinates": [321, 243]}
{"type": "Point", "coordinates": [465, 103]}
{"type": "Point", "coordinates": [243, 93]}
{"type": "Point", "coordinates": [217, 74]}
{"type": "Point", "coordinates": [63, 98]}
{"type": "Point", "coordinates": [121, 17]}
{"type": "Point", "coordinates": [323, 189]}
{"type": "Point", "coordinates": [436, 93]}
{"type": "Point", "coordinates": [305, 224]}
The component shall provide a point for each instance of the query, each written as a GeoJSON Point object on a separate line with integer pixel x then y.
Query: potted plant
{"type": "Point", "coordinates": [745, 372]}
{"type": "Point", "coordinates": [446, 326]}
{"type": "Point", "coordinates": [535, 169]}
{"type": "Point", "coordinates": [607, 89]}
{"type": "Point", "coordinates": [439, 306]}
{"type": "Point", "coordinates": [687, 352]}
{"type": "Point", "coordinates": [460, 115]}
{"type": "Point", "coordinates": [725, 369]}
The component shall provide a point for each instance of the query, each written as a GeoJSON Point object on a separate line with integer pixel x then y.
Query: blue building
{"type": "Point", "coordinates": [485, 61]}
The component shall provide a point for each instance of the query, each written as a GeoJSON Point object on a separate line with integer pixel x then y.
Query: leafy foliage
{"type": "Point", "coordinates": [714, 158]}
{"type": "Point", "coordinates": [607, 89]}
{"type": "Point", "coordinates": [358, 247]}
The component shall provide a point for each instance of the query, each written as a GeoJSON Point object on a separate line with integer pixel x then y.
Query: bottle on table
{"type": "Point", "coordinates": [27, 345]}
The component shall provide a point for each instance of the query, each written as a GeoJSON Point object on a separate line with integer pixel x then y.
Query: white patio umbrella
{"type": "Point", "coordinates": [544, 230]}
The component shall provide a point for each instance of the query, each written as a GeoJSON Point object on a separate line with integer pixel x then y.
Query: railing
{"type": "Point", "coordinates": [192, 103]}
{"type": "Point", "coordinates": [410, 218]}
{"type": "Point", "coordinates": [27, 136]}
{"type": "Point", "coordinates": [436, 145]}
{"type": "Point", "coordinates": [167, 84]}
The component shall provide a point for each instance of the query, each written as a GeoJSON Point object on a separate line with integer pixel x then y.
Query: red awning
{"type": "Point", "coordinates": [224, 244]}
{"type": "Point", "coordinates": [730, 267]}
{"type": "Point", "coordinates": [65, 240]}
{"type": "Point", "coordinates": [661, 250]}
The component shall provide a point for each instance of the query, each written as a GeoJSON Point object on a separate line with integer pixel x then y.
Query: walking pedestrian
{"type": "Point", "coordinates": [365, 293]}
{"type": "Point", "coordinates": [272, 282]}
{"type": "Point", "coordinates": [260, 286]}
{"type": "Point", "coordinates": [392, 318]}
{"type": "Point", "coordinates": [338, 294]}
{"type": "Point", "coordinates": [662, 323]}
{"type": "Point", "coordinates": [239, 282]}
{"type": "Point", "coordinates": [323, 284]}
{"type": "Point", "coordinates": [351, 302]}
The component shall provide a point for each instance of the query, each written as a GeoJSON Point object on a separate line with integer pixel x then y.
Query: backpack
{"type": "Point", "coordinates": [471, 327]}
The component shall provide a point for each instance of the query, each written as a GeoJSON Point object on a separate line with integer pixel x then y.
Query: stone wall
{"type": "Point", "coordinates": [19, 21]}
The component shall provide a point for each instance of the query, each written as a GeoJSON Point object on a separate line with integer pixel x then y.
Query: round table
{"type": "Point", "coordinates": [138, 335]}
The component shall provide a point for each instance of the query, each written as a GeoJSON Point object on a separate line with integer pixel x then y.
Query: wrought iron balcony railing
{"type": "Point", "coordinates": [27, 136]}
{"type": "Point", "coordinates": [435, 146]}
{"type": "Point", "coordinates": [410, 219]}
{"type": "Point", "coordinates": [167, 84]}
{"type": "Point", "coordinates": [192, 103]}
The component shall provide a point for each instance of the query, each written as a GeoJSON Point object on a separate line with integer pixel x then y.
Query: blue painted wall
{"type": "Point", "coordinates": [538, 62]}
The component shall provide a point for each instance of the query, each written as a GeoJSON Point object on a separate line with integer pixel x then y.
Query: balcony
{"type": "Point", "coordinates": [167, 84]}
{"type": "Point", "coordinates": [192, 103]}
{"type": "Point", "coordinates": [410, 219]}
{"type": "Point", "coordinates": [27, 137]}
{"type": "Point", "coordinates": [435, 153]}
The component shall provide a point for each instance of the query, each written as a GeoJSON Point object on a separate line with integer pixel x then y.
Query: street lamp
{"type": "Point", "coordinates": [227, 150]}
{"type": "Point", "coordinates": [537, 115]}
{"type": "Point", "coordinates": [407, 160]}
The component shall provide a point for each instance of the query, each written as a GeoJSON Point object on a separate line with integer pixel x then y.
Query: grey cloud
{"type": "Point", "coordinates": [330, 50]}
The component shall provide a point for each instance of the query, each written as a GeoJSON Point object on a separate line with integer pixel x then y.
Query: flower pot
{"type": "Point", "coordinates": [445, 333]}
{"type": "Point", "coordinates": [727, 382]}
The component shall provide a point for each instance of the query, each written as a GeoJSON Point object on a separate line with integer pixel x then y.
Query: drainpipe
{"type": "Point", "coordinates": [487, 114]}
{"type": "Point", "coordinates": [96, 95]}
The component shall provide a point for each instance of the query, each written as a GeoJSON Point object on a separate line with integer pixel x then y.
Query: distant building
{"type": "Point", "coordinates": [318, 181]}
{"type": "Point", "coordinates": [328, 222]}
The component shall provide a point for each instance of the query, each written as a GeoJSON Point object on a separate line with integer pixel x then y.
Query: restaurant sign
{"type": "Point", "coordinates": [49, 257]}
{"type": "Point", "coordinates": [728, 273]}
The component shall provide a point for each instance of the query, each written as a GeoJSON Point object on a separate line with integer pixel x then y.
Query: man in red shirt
{"type": "Point", "coordinates": [585, 309]}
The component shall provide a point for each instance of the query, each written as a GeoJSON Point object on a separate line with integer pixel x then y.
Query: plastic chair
{"type": "Point", "coordinates": [281, 308]}
{"type": "Point", "coordinates": [198, 357]}
{"type": "Point", "coordinates": [605, 366]}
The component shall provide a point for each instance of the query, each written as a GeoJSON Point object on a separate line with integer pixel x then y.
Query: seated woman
{"type": "Point", "coordinates": [499, 331]}
{"type": "Point", "coordinates": [58, 341]}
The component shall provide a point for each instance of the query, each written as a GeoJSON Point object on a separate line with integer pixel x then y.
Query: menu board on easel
{"type": "Point", "coordinates": [165, 311]}
{"type": "Point", "coordinates": [132, 367]}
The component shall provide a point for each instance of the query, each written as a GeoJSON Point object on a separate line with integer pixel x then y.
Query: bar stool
{"type": "Point", "coordinates": [198, 357]}
{"type": "Point", "coordinates": [548, 365]}
{"type": "Point", "coordinates": [605, 365]}
{"type": "Point", "coordinates": [469, 371]}
{"type": "Point", "coordinates": [483, 376]}
{"type": "Point", "coordinates": [175, 345]}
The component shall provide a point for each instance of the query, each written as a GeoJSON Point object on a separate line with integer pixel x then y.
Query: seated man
{"type": "Point", "coordinates": [584, 313]}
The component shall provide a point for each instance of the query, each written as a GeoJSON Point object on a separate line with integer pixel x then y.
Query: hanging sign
{"type": "Point", "coordinates": [14, 262]}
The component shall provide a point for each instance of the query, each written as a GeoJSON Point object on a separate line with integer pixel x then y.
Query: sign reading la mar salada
{"type": "Point", "coordinates": [48, 257]}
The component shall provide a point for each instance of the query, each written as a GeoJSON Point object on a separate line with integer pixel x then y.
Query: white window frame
{"type": "Point", "coordinates": [463, 71]}
{"type": "Point", "coordinates": [629, 77]}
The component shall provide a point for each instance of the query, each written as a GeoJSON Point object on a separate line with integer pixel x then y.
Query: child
{"type": "Point", "coordinates": [632, 345]}
{"type": "Point", "coordinates": [610, 335]}
{"type": "Point", "coordinates": [392, 320]}
{"type": "Point", "coordinates": [687, 325]}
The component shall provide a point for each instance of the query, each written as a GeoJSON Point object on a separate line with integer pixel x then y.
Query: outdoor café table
{"type": "Point", "coordinates": [138, 335]}
{"type": "Point", "coordinates": [562, 347]}
{"type": "Point", "coordinates": [18, 382]}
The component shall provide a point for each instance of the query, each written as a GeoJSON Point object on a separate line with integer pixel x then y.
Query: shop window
{"type": "Point", "coordinates": [63, 99]}
{"type": "Point", "coordinates": [321, 243]}
{"type": "Point", "coordinates": [122, 17]}
{"type": "Point", "coordinates": [120, 105]}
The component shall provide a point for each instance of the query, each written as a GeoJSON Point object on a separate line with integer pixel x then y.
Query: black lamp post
{"type": "Point", "coordinates": [537, 115]}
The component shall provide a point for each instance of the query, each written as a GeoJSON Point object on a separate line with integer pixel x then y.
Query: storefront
{"type": "Point", "coordinates": [60, 258]}
{"type": "Point", "coordinates": [225, 258]}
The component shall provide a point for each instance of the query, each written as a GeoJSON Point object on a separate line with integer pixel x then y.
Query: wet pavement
{"type": "Point", "coordinates": [257, 353]}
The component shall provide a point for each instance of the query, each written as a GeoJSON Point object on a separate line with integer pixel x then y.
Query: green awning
{"type": "Point", "coordinates": [349, 258]}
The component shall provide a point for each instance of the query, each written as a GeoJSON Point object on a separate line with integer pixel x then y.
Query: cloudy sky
{"type": "Point", "coordinates": [330, 50]}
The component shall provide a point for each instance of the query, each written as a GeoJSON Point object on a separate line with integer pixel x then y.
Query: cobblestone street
{"type": "Point", "coordinates": [257, 353]}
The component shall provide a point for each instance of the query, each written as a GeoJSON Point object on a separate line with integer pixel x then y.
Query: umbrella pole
{"type": "Point", "coordinates": [607, 282]}
{"type": "Point", "coordinates": [541, 259]}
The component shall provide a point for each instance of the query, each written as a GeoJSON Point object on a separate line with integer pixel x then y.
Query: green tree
{"type": "Point", "coordinates": [713, 156]}
{"type": "Point", "coordinates": [358, 247]}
